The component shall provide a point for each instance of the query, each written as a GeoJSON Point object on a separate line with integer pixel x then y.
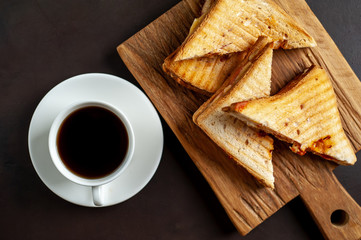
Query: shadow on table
{"type": "Point", "coordinates": [202, 187]}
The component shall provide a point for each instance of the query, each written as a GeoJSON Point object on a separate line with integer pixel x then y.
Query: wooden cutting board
{"type": "Point", "coordinates": [246, 202]}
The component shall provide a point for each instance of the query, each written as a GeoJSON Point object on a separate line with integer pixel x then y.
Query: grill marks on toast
{"type": "Point", "coordinates": [204, 74]}
{"type": "Point", "coordinates": [233, 25]}
{"type": "Point", "coordinates": [251, 56]}
{"type": "Point", "coordinates": [217, 43]}
{"type": "Point", "coordinates": [305, 114]}
{"type": "Point", "coordinates": [244, 145]}
{"type": "Point", "coordinates": [225, 27]}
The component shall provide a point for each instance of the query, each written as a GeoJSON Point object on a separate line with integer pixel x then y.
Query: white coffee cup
{"type": "Point", "coordinates": [95, 183]}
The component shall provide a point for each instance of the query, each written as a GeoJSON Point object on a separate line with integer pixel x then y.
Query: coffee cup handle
{"type": "Point", "coordinates": [97, 195]}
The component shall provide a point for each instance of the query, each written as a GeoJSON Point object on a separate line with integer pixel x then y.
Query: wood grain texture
{"type": "Point", "coordinates": [246, 202]}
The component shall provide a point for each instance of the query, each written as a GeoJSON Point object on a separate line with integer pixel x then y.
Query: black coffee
{"type": "Point", "coordinates": [92, 142]}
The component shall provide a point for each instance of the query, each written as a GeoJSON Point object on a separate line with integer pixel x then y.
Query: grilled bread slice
{"type": "Point", "coordinates": [305, 114]}
{"type": "Point", "coordinates": [205, 74]}
{"type": "Point", "coordinates": [248, 147]}
{"type": "Point", "coordinates": [196, 73]}
{"type": "Point", "coordinates": [233, 25]}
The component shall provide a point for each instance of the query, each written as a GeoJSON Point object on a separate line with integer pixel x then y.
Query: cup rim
{"type": "Point", "coordinates": [54, 154]}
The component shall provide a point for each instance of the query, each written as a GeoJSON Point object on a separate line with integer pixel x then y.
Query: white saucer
{"type": "Point", "coordinates": [119, 93]}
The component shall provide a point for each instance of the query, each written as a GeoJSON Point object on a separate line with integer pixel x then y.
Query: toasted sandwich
{"type": "Point", "coordinates": [196, 73]}
{"type": "Point", "coordinates": [233, 25]}
{"type": "Point", "coordinates": [205, 74]}
{"type": "Point", "coordinates": [246, 146]}
{"type": "Point", "coordinates": [227, 27]}
{"type": "Point", "coordinates": [305, 114]}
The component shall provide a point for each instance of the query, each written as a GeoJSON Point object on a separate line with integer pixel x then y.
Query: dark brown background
{"type": "Point", "coordinates": [45, 42]}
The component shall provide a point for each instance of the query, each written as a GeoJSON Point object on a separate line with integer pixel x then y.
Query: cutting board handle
{"type": "Point", "coordinates": [336, 213]}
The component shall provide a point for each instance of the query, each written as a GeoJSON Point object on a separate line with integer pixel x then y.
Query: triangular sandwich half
{"type": "Point", "coordinates": [204, 74]}
{"type": "Point", "coordinates": [248, 147]}
{"type": "Point", "coordinates": [233, 25]}
{"type": "Point", "coordinates": [225, 28]}
{"type": "Point", "coordinates": [305, 114]}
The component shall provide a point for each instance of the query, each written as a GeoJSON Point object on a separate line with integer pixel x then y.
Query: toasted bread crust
{"type": "Point", "coordinates": [244, 145]}
{"type": "Point", "coordinates": [249, 56]}
{"type": "Point", "coordinates": [232, 26]}
{"type": "Point", "coordinates": [217, 37]}
{"type": "Point", "coordinates": [204, 75]}
{"type": "Point", "coordinates": [182, 82]}
{"type": "Point", "coordinates": [304, 114]}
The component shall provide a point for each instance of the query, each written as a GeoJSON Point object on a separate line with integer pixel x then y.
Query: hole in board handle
{"type": "Point", "coordinates": [339, 218]}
